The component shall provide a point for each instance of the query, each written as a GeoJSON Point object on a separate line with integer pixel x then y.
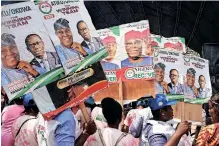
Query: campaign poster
{"type": "Point", "coordinates": [27, 53]}
{"type": "Point", "coordinates": [134, 63]}
{"type": "Point", "coordinates": [168, 69]}
{"type": "Point", "coordinates": [197, 86]}
{"type": "Point", "coordinates": [110, 38]}
{"type": "Point", "coordinates": [174, 43]}
{"type": "Point", "coordinates": [155, 41]}
{"type": "Point", "coordinates": [72, 32]}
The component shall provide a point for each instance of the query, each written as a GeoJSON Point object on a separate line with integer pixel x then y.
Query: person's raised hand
{"type": "Point", "coordinates": [90, 127]}
{"type": "Point", "coordinates": [183, 128]}
{"type": "Point", "coordinates": [78, 47]}
{"type": "Point", "coordinates": [27, 67]}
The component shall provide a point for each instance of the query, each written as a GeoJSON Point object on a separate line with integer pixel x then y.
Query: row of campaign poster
{"type": "Point", "coordinates": [181, 76]}
{"type": "Point", "coordinates": [51, 52]}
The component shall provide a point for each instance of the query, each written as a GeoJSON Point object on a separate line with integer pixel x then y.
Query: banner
{"type": "Point", "coordinates": [71, 30]}
{"type": "Point", "coordinates": [110, 38]}
{"type": "Point", "coordinates": [174, 43]}
{"type": "Point", "coordinates": [27, 51]}
{"type": "Point", "coordinates": [168, 68]}
{"type": "Point", "coordinates": [135, 38]}
{"type": "Point", "coordinates": [197, 87]}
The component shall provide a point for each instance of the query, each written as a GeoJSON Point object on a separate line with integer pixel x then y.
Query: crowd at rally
{"type": "Point", "coordinates": [146, 123]}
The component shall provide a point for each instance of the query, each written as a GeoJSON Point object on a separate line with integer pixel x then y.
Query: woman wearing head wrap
{"type": "Point", "coordinates": [209, 135]}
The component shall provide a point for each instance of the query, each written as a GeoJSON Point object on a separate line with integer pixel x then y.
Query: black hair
{"type": "Point", "coordinates": [18, 101]}
{"type": "Point", "coordinates": [200, 77]}
{"type": "Point", "coordinates": [112, 110]}
{"type": "Point", "coordinates": [92, 106]}
{"type": "Point", "coordinates": [32, 107]}
{"type": "Point", "coordinates": [27, 38]}
{"type": "Point", "coordinates": [173, 70]}
{"type": "Point", "coordinates": [79, 23]}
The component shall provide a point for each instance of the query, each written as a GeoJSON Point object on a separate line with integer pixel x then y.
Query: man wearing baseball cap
{"type": "Point", "coordinates": [156, 130]}
{"type": "Point", "coordinates": [110, 63]}
{"type": "Point", "coordinates": [161, 87]}
{"type": "Point", "coordinates": [190, 91]}
{"type": "Point", "coordinates": [133, 46]}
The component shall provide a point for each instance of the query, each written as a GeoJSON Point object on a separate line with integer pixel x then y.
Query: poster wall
{"type": "Point", "coordinates": [169, 73]}
{"type": "Point", "coordinates": [197, 88]}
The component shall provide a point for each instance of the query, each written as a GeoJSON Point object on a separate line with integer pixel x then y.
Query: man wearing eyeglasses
{"type": "Point", "coordinates": [203, 92]}
{"type": "Point", "coordinates": [15, 72]}
{"type": "Point", "coordinates": [133, 46]}
{"type": "Point", "coordinates": [190, 91]}
{"type": "Point", "coordinates": [90, 44]}
{"type": "Point", "coordinates": [174, 86]}
{"type": "Point", "coordinates": [42, 58]}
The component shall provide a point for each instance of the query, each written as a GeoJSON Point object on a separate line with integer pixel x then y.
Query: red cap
{"type": "Point", "coordinates": [146, 33]}
{"type": "Point", "coordinates": [133, 35]}
{"type": "Point", "coordinates": [154, 44]}
{"type": "Point", "coordinates": [169, 45]}
{"type": "Point", "coordinates": [109, 39]}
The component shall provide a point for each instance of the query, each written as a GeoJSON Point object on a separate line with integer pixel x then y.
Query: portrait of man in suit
{"type": "Point", "coordinates": [45, 59]}
{"type": "Point", "coordinates": [174, 86]}
{"type": "Point", "coordinates": [90, 44]}
{"type": "Point", "coordinates": [203, 91]}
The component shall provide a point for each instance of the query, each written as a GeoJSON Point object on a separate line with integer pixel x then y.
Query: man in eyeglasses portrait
{"type": "Point", "coordinates": [42, 58]}
{"type": "Point", "coordinates": [174, 86]}
{"type": "Point", "coordinates": [133, 46]}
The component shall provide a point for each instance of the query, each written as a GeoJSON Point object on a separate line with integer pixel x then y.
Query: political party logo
{"type": "Point", "coordinates": [129, 73]}
{"type": "Point", "coordinates": [186, 58]}
{"type": "Point", "coordinates": [45, 7]}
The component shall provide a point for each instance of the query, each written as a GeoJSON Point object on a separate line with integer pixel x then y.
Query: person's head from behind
{"type": "Point", "coordinates": [9, 52]}
{"type": "Point", "coordinates": [90, 103]}
{"type": "Point", "coordinates": [29, 105]}
{"type": "Point", "coordinates": [143, 102]}
{"type": "Point", "coordinates": [174, 76]}
{"type": "Point", "coordinates": [83, 30]}
{"type": "Point", "coordinates": [214, 108]}
{"type": "Point", "coordinates": [159, 70]}
{"type": "Point", "coordinates": [201, 81]}
{"type": "Point", "coordinates": [112, 111]}
{"type": "Point", "coordinates": [190, 76]}
{"type": "Point", "coordinates": [161, 108]}
{"type": "Point", "coordinates": [63, 32]}
{"type": "Point", "coordinates": [111, 46]}
{"type": "Point", "coordinates": [35, 45]}
{"type": "Point", "coordinates": [133, 44]}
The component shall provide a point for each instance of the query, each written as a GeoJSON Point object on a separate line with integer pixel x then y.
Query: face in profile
{"type": "Point", "coordinates": [65, 37]}
{"type": "Point", "coordinates": [202, 82]}
{"type": "Point", "coordinates": [190, 79]}
{"type": "Point", "coordinates": [133, 47]}
{"type": "Point", "coordinates": [84, 30]}
{"type": "Point", "coordinates": [159, 75]}
{"type": "Point", "coordinates": [111, 48]}
{"type": "Point", "coordinates": [10, 56]}
{"type": "Point", "coordinates": [168, 113]}
{"type": "Point", "coordinates": [36, 46]}
{"type": "Point", "coordinates": [174, 76]}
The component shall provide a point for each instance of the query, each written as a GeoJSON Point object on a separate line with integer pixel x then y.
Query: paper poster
{"type": "Point", "coordinates": [168, 73]}
{"type": "Point", "coordinates": [155, 40]}
{"type": "Point", "coordinates": [197, 88]}
{"type": "Point", "coordinates": [134, 63]}
{"type": "Point", "coordinates": [174, 43]}
{"type": "Point", "coordinates": [27, 52]}
{"type": "Point", "coordinates": [110, 38]}
{"type": "Point", "coordinates": [72, 32]}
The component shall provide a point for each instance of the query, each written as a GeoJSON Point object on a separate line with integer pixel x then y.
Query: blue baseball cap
{"type": "Point", "coordinates": [90, 100]}
{"type": "Point", "coordinates": [160, 101]}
